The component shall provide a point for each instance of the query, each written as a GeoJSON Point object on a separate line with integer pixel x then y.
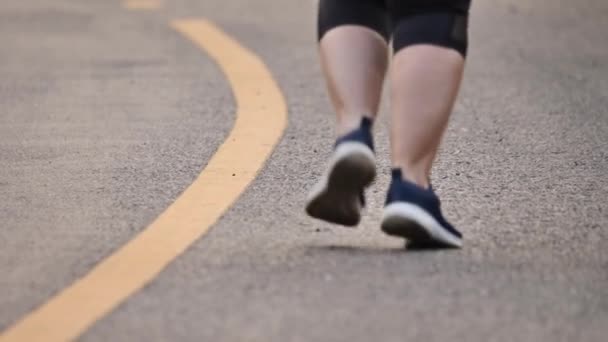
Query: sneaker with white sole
{"type": "Point", "coordinates": [414, 213]}
{"type": "Point", "coordinates": [338, 196]}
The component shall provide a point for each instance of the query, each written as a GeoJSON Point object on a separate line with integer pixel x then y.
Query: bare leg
{"type": "Point", "coordinates": [424, 83]}
{"type": "Point", "coordinates": [354, 61]}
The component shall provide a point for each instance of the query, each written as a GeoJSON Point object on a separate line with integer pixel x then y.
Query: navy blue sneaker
{"type": "Point", "coordinates": [338, 196]}
{"type": "Point", "coordinates": [414, 213]}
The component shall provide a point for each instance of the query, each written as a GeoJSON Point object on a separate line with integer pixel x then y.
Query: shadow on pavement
{"type": "Point", "coordinates": [374, 250]}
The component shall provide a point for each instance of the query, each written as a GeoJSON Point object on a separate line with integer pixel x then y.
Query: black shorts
{"type": "Point", "coordinates": [390, 17]}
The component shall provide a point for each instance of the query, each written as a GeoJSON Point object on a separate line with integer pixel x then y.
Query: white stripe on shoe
{"type": "Point", "coordinates": [416, 224]}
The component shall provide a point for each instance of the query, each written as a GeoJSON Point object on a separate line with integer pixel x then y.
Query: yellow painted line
{"type": "Point", "coordinates": [142, 4]}
{"type": "Point", "coordinates": [260, 121]}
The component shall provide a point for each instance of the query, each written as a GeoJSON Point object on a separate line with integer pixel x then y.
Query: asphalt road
{"type": "Point", "coordinates": [108, 114]}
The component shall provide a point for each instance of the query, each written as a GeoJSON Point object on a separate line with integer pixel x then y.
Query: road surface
{"type": "Point", "coordinates": [109, 113]}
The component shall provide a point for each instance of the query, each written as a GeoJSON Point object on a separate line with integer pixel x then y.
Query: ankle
{"type": "Point", "coordinates": [348, 123]}
{"type": "Point", "coordinates": [415, 175]}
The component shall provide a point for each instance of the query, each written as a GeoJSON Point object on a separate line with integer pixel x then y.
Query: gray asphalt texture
{"type": "Point", "coordinates": [107, 115]}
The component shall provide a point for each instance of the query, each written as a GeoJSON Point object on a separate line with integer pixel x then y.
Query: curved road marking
{"type": "Point", "coordinates": [260, 121]}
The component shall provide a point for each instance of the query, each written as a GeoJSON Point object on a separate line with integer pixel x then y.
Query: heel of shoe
{"type": "Point", "coordinates": [337, 197]}
{"type": "Point", "coordinates": [353, 165]}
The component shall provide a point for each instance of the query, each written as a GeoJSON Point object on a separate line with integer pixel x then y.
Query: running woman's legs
{"type": "Point", "coordinates": [424, 83]}
{"type": "Point", "coordinates": [353, 39]}
{"type": "Point", "coordinates": [353, 45]}
{"type": "Point", "coordinates": [430, 41]}
{"type": "Point", "coordinates": [430, 44]}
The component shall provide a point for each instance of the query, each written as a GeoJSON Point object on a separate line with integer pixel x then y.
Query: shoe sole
{"type": "Point", "coordinates": [413, 223]}
{"type": "Point", "coordinates": [336, 197]}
